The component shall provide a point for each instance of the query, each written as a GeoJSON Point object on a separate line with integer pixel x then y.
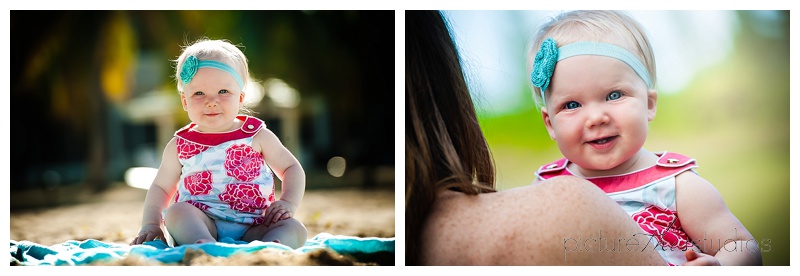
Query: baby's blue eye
{"type": "Point", "coordinates": [198, 93]}
{"type": "Point", "coordinates": [572, 105]}
{"type": "Point", "coordinates": [613, 95]}
{"type": "Point", "coordinates": [223, 91]}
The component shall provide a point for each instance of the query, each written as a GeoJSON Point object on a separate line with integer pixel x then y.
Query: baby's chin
{"type": "Point", "coordinates": [601, 168]}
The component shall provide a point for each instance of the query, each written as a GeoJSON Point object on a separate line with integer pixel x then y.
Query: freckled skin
{"type": "Point", "coordinates": [528, 226]}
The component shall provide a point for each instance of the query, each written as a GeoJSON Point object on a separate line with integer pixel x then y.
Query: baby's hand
{"type": "Point", "coordinates": [698, 259]}
{"type": "Point", "coordinates": [278, 210]}
{"type": "Point", "coordinates": [149, 232]}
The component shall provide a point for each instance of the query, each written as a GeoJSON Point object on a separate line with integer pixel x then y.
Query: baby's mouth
{"type": "Point", "coordinates": [603, 140]}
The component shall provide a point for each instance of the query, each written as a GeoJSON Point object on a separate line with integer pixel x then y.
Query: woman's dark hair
{"type": "Point", "coordinates": [445, 148]}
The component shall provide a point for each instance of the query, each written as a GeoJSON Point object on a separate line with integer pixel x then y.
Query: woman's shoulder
{"type": "Point", "coordinates": [452, 228]}
{"type": "Point", "coordinates": [528, 225]}
{"type": "Point", "coordinates": [484, 229]}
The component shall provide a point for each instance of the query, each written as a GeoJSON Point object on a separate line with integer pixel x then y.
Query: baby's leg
{"type": "Point", "coordinates": [187, 224]}
{"type": "Point", "coordinates": [290, 232]}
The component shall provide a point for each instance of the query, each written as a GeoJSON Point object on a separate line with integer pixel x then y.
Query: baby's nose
{"type": "Point", "coordinates": [597, 117]}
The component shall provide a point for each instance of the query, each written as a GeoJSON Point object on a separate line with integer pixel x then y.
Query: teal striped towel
{"type": "Point", "coordinates": [85, 252]}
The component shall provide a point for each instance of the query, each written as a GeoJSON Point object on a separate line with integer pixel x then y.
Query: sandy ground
{"type": "Point", "coordinates": [115, 216]}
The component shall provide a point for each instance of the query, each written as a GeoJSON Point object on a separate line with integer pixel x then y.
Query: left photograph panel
{"type": "Point", "coordinates": [202, 138]}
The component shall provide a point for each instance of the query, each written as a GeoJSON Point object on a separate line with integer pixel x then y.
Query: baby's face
{"type": "Point", "coordinates": [597, 111]}
{"type": "Point", "coordinates": [212, 99]}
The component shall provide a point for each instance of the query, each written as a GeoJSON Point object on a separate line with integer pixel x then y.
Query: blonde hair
{"type": "Point", "coordinates": [613, 27]}
{"type": "Point", "coordinates": [220, 50]}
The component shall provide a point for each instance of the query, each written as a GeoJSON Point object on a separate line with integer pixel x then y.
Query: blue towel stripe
{"type": "Point", "coordinates": [74, 252]}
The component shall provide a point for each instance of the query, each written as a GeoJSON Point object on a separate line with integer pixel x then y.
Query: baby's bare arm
{"type": "Point", "coordinates": [286, 168]}
{"type": "Point", "coordinates": [158, 196]}
{"type": "Point", "coordinates": [711, 225]}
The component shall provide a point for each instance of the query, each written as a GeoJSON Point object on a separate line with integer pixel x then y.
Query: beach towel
{"type": "Point", "coordinates": [84, 252]}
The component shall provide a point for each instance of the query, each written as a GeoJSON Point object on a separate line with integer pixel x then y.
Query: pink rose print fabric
{"type": "Point", "coordinates": [242, 162]}
{"type": "Point", "coordinates": [648, 196]}
{"type": "Point", "coordinates": [664, 225]}
{"type": "Point", "coordinates": [243, 197]}
{"type": "Point", "coordinates": [188, 149]}
{"type": "Point", "coordinates": [198, 183]}
{"type": "Point", "coordinates": [272, 195]}
{"type": "Point", "coordinates": [199, 205]}
{"type": "Point", "coordinates": [223, 175]}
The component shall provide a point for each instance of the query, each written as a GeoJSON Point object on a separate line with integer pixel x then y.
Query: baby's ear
{"type": "Point", "coordinates": [548, 124]}
{"type": "Point", "coordinates": [652, 100]}
{"type": "Point", "coordinates": [183, 101]}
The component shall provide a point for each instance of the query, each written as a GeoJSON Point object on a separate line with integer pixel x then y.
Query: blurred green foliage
{"type": "Point", "coordinates": [79, 73]}
{"type": "Point", "coordinates": [733, 118]}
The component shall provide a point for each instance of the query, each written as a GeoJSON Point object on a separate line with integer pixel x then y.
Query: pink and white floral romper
{"type": "Point", "coordinates": [222, 174]}
{"type": "Point", "coordinates": [648, 196]}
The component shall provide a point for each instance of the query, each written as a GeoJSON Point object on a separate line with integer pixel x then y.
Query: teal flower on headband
{"type": "Point", "coordinates": [544, 64]}
{"type": "Point", "coordinates": [188, 69]}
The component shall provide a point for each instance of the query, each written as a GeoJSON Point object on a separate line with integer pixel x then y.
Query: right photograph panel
{"type": "Point", "coordinates": [605, 138]}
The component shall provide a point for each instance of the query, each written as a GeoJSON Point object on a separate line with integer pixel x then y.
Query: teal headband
{"type": "Point", "coordinates": [192, 64]}
{"type": "Point", "coordinates": [544, 63]}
